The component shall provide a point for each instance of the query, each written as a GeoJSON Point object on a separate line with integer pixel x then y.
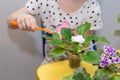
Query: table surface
{"type": "Point", "coordinates": [57, 70]}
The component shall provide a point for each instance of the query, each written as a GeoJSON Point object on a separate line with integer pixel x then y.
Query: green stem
{"type": "Point", "coordinates": [88, 47]}
{"type": "Point", "coordinates": [66, 49]}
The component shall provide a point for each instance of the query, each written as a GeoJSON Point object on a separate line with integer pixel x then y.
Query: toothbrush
{"type": "Point", "coordinates": [15, 24]}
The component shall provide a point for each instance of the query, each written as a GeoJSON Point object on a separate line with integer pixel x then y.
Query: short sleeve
{"type": "Point", "coordinates": [95, 16]}
{"type": "Point", "coordinates": [34, 6]}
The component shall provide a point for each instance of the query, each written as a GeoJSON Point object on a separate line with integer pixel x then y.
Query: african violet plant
{"type": "Point", "coordinates": [71, 41]}
{"type": "Point", "coordinates": [108, 67]}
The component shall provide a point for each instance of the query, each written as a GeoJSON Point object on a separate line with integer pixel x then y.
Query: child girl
{"type": "Point", "coordinates": [55, 12]}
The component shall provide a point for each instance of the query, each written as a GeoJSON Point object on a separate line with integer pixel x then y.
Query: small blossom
{"type": "Point", "coordinates": [74, 32]}
{"type": "Point", "coordinates": [63, 25]}
{"type": "Point", "coordinates": [112, 61]}
{"type": "Point", "coordinates": [110, 51]}
{"type": "Point", "coordinates": [116, 59]}
{"type": "Point", "coordinates": [109, 57]}
{"type": "Point", "coordinates": [78, 38]}
{"type": "Point", "coordinates": [103, 63]}
{"type": "Point", "coordinates": [103, 56]}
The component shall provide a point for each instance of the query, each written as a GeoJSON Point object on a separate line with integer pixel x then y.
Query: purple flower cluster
{"type": "Point", "coordinates": [109, 57]}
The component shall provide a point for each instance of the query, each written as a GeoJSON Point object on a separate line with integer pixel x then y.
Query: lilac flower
{"type": "Point", "coordinates": [116, 59]}
{"type": "Point", "coordinates": [104, 60]}
{"type": "Point", "coordinates": [110, 51]}
{"type": "Point", "coordinates": [103, 63]}
{"type": "Point", "coordinates": [109, 57]}
{"type": "Point", "coordinates": [103, 57]}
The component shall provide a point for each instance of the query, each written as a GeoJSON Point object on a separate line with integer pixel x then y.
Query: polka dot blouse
{"type": "Point", "coordinates": [52, 15]}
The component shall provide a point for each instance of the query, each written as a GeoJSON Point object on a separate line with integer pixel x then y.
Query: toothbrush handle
{"type": "Point", "coordinates": [15, 24]}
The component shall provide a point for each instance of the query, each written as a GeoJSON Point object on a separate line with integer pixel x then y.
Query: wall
{"type": "Point", "coordinates": [20, 51]}
{"type": "Point", "coordinates": [110, 10]}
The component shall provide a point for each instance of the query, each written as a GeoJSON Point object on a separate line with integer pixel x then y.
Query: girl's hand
{"type": "Point", "coordinates": [26, 22]}
{"type": "Point", "coordinates": [24, 19]}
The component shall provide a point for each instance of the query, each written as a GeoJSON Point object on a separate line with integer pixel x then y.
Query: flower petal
{"type": "Point", "coordinates": [78, 38]}
{"type": "Point", "coordinates": [63, 25]}
{"type": "Point", "coordinates": [75, 32]}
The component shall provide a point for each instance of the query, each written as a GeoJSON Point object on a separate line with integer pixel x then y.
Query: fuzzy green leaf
{"type": "Point", "coordinates": [81, 74]}
{"type": "Point", "coordinates": [47, 37]}
{"type": "Point", "coordinates": [90, 38]}
{"type": "Point", "coordinates": [66, 34]}
{"type": "Point", "coordinates": [116, 77]}
{"type": "Point", "coordinates": [102, 75]}
{"type": "Point", "coordinates": [83, 28]}
{"type": "Point", "coordinates": [57, 52]}
{"type": "Point", "coordinates": [102, 39]}
{"type": "Point", "coordinates": [91, 57]}
{"type": "Point", "coordinates": [56, 42]}
{"type": "Point", "coordinates": [96, 38]}
{"type": "Point", "coordinates": [55, 36]}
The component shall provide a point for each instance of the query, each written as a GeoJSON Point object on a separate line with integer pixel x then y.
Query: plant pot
{"type": "Point", "coordinates": [74, 60]}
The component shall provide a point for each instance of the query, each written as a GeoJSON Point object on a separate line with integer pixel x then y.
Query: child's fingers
{"type": "Point", "coordinates": [28, 26]}
{"type": "Point", "coordinates": [33, 24]}
{"type": "Point", "coordinates": [21, 23]}
{"type": "Point", "coordinates": [26, 22]}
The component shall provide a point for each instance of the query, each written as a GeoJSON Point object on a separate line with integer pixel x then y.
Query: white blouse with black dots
{"type": "Point", "coordinates": [52, 15]}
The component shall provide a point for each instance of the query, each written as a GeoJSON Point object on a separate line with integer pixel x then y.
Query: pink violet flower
{"type": "Point", "coordinates": [63, 25]}
{"type": "Point", "coordinates": [74, 32]}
